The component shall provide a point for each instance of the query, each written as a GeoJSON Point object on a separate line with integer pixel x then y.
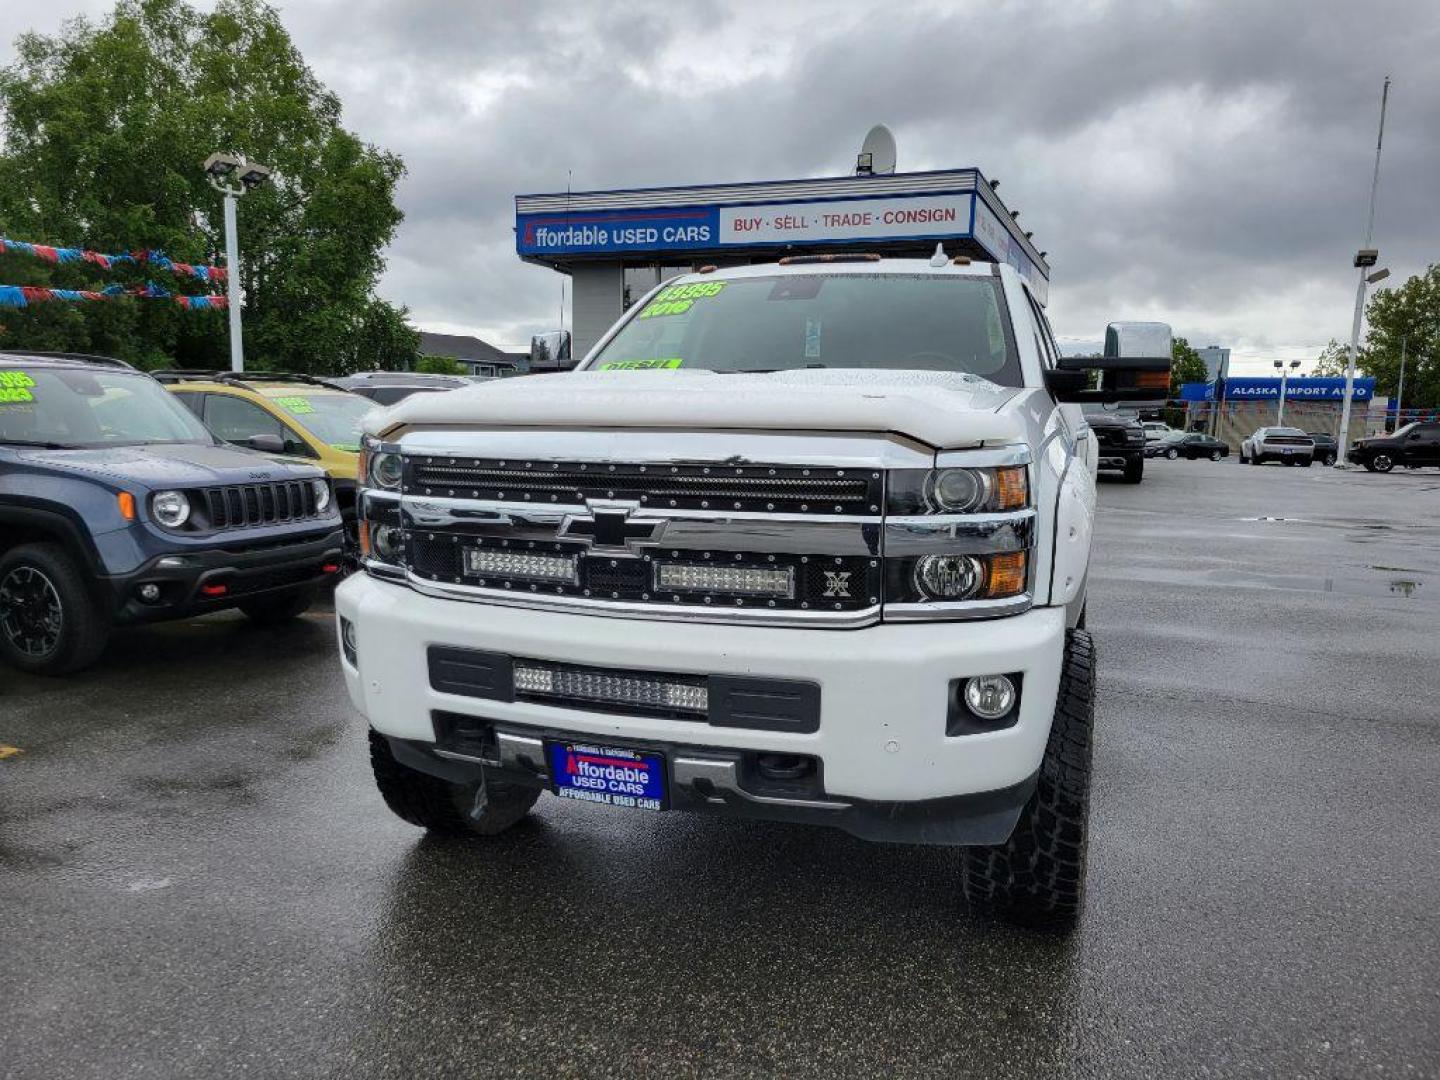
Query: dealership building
{"type": "Point", "coordinates": [617, 245]}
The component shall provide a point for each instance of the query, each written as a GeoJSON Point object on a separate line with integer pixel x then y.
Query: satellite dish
{"type": "Point", "coordinates": [877, 153]}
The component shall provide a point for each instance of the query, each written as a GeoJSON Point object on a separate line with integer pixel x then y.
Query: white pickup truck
{"type": "Point", "coordinates": [805, 541]}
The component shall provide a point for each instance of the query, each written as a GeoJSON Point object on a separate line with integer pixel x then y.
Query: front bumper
{"type": "Point", "coordinates": [188, 578]}
{"type": "Point", "coordinates": [885, 692]}
{"type": "Point", "coordinates": [1119, 457]}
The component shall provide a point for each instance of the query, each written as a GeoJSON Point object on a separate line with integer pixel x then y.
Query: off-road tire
{"type": "Point", "coordinates": [1134, 471]}
{"type": "Point", "coordinates": [443, 807]}
{"type": "Point", "coordinates": [84, 625]}
{"type": "Point", "coordinates": [277, 609]}
{"type": "Point", "coordinates": [1037, 877]}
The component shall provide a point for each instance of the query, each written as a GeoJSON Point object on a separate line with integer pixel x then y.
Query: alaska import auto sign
{"type": "Point", "coordinates": [1319, 388]}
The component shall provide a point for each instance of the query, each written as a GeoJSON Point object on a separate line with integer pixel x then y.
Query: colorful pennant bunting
{"type": "Point", "coordinates": [198, 271]}
{"type": "Point", "coordinates": [19, 296]}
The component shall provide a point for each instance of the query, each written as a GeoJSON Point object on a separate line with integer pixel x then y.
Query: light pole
{"type": "Point", "coordinates": [1365, 258]}
{"type": "Point", "coordinates": [1400, 390]}
{"type": "Point", "coordinates": [233, 176]}
{"type": "Point", "coordinates": [1284, 375]}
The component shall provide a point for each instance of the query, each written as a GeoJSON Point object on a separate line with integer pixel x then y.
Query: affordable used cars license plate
{"type": "Point", "coordinates": [610, 775]}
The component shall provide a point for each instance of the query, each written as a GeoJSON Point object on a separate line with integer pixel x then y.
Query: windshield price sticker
{"type": "Point", "coordinates": [667, 364]}
{"type": "Point", "coordinates": [678, 299]}
{"type": "Point", "coordinates": [17, 386]}
{"type": "Point", "coordinates": [296, 405]}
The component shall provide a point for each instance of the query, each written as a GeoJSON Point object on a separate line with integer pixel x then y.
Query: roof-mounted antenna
{"type": "Point", "coordinates": [939, 258]}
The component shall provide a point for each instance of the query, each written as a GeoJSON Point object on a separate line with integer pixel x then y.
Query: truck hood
{"type": "Point", "coordinates": [172, 465]}
{"type": "Point", "coordinates": [945, 410]}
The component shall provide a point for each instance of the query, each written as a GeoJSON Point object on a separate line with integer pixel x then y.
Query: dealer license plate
{"type": "Point", "coordinates": [634, 779]}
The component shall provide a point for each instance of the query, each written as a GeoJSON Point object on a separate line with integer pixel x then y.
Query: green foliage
{"type": "Point", "coordinates": [1335, 358]}
{"type": "Point", "coordinates": [1185, 366]}
{"type": "Point", "coordinates": [441, 365]}
{"type": "Point", "coordinates": [104, 129]}
{"type": "Point", "coordinates": [1410, 317]}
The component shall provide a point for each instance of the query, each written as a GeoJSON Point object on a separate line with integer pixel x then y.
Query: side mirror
{"type": "Point", "coordinates": [1135, 368]}
{"type": "Point", "coordinates": [551, 351]}
{"type": "Point", "coordinates": [266, 444]}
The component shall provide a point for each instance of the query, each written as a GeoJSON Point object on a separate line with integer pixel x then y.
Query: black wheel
{"type": "Point", "coordinates": [1172, 453]}
{"type": "Point", "coordinates": [487, 808]}
{"type": "Point", "coordinates": [1328, 460]}
{"type": "Point", "coordinates": [1038, 875]}
{"type": "Point", "coordinates": [50, 624]}
{"type": "Point", "coordinates": [1381, 463]}
{"type": "Point", "coordinates": [282, 608]}
{"type": "Point", "coordinates": [1215, 455]}
{"type": "Point", "coordinates": [1134, 470]}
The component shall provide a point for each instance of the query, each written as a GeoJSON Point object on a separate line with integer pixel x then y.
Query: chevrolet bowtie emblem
{"type": "Point", "coordinates": [612, 530]}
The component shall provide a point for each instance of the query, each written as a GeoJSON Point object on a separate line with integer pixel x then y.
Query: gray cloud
{"type": "Point", "coordinates": [1205, 163]}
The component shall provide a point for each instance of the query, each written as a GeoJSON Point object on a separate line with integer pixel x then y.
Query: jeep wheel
{"type": "Point", "coordinates": [1215, 455]}
{"type": "Point", "coordinates": [1134, 470]}
{"type": "Point", "coordinates": [487, 808]}
{"type": "Point", "coordinates": [1381, 463]}
{"type": "Point", "coordinates": [277, 609]}
{"type": "Point", "coordinates": [49, 622]}
{"type": "Point", "coordinates": [1038, 875]}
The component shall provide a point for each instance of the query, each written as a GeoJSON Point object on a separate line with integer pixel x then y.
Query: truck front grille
{"type": "Point", "coordinates": [239, 505]}
{"type": "Point", "coordinates": [665, 577]}
{"type": "Point", "coordinates": [751, 488]}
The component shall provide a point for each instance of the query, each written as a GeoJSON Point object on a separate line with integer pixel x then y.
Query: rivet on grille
{"type": "Point", "coordinates": [507, 584]}
{"type": "Point", "coordinates": [534, 588]}
{"type": "Point", "coordinates": [587, 592]}
{"type": "Point", "coordinates": [529, 464]}
{"type": "Point", "coordinates": [527, 499]}
{"type": "Point", "coordinates": [839, 472]}
{"type": "Point", "coordinates": [804, 604]}
{"type": "Point", "coordinates": [804, 558]}
{"type": "Point", "coordinates": [560, 589]}
{"type": "Point", "coordinates": [457, 581]}
{"type": "Point", "coordinates": [583, 466]}
{"type": "Point", "coordinates": [675, 598]}
{"type": "Point", "coordinates": [431, 461]}
{"type": "Point", "coordinates": [874, 599]}
{"type": "Point", "coordinates": [609, 494]}
{"type": "Point", "coordinates": [770, 557]}
{"type": "Point", "coordinates": [874, 509]}
{"type": "Point", "coordinates": [704, 505]}
{"type": "Point", "coordinates": [769, 506]}
{"type": "Point", "coordinates": [739, 602]}
{"type": "Point", "coordinates": [449, 491]}
{"type": "Point", "coordinates": [614, 563]}
{"type": "Point", "coordinates": [804, 472]}
{"type": "Point", "coordinates": [770, 602]}
{"type": "Point", "coordinates": [837, 607]}
{"type": "Point", "coordinates": [647, 558]}
{"type": "Point", "coordinates": [427, 491]}
{"type": "Point", "coordinates": [502, 464]}
{"type": "Point", "coordinates": [554, 465]}
{"type": "Point", "coordinates": [874, 562]}
{"type": "Point", "coordinates": [674, 554]}
{"type": "Point", "coordinates": [837, 561]}
{"type": "Point", "coordinates": [772, 472]}
{"type": "Point", "coordinates": [874, 476]}
{"type": "Point", "coordinates": [454, 539]}
{"type": "Point", "coordinates": [644, 596]}
{"type": "Point", "coordinates": [804, 506]}
{"type": "Point", "coordinates": [706, 471]}
{"type": "Point", "coordinates": [674, 469]}
{"type": "Point", "coordinates": [504, 543]}
{"type": "Point", "coordinates": [672, 502]}
{"type": "Point", "coordinates": [737, 506]}
{"type": "Point", "coordinates": [554, 498]}
{"type": "Point", "coordinates": [707, 554]}
{"type": "Point", "coordinates": [707, 599]}
{"type": "Point", "coordinates": [738, 556]}
{"type": "Point", "coordinates": [615, 596]}
{"type": "Point", "coordinates": [532, 543]}
{"type": "Point", "coordinates": [839, 509]}
{"type": "Point", "coordinates": [452, 461]}
{"type": "Point", "coordinates": [642, 468]}
{"type": "Point", "coordinates": [612, 468]}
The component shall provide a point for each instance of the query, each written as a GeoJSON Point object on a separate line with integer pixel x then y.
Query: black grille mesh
{"type": "Point", "coordinates": [239, 505]}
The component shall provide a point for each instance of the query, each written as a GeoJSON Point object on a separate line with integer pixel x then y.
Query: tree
{"type": "Point", "coordinates": [1334, 359]}
{"type": "Point", "coordinates": [104, 128]}
{"type": "Point", "coordinates": [1408, 318]}
{"type": "Point", "coordinates": [1185, 366]}
{"type": "Point", "coordinates": [441, 365]}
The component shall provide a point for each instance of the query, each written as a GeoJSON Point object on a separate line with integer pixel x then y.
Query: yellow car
{"type": "Point", "coordinates": [283, 414]}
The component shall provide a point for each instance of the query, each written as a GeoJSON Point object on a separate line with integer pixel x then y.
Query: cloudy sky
{"type": "Point", "coordinates": [1206, 164]}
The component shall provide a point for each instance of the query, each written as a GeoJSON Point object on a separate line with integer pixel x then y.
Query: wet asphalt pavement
{"type": "Point", "coordinates": [198, 879]}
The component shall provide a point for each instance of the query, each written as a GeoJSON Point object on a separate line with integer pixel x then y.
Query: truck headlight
{"type": "Point", "coordinates": [386, 470]}
{"type": "Point", "coordinates": [959, 490]}
{"type": "Point", "coordinates": [170, 508]}
{"type": "Point", "coordinates": [322, 495]}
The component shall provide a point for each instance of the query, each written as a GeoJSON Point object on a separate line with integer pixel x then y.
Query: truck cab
{"type": "Point", "coordinates": [804, 541]}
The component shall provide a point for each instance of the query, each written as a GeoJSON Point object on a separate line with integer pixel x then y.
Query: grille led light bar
{"type": "Point", "coordinates": [612, 689]}
{"type": "Point", "coordinates": [703, 577]}
{"type": "Point", "coordinates": [487, 562]}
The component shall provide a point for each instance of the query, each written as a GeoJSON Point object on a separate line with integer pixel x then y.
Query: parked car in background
{"type": "Point", "coordinates": [1158, 432]}
{"type": "Point", "coordinates": [1287, 445]}
{"type": "Point", "coordinates": [1121, 443]}
{"type": "Point", "coordinates": [1191, 446]}
{"type": "Point", "coordinates": [388, 387]}
{"type": "Point", "coordinates": [1326, 448]}
{"type": "Point", "coordinates": [117, 506]}
{"type": "Point", "coordinates": [1414, 446]}
{"type": "Point", "coordinates": [293, 415]}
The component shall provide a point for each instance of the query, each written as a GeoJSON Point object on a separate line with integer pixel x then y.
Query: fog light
{"type": "Point", "coordinates": [989, 696]}
{"type": "Point", "coordinates": [149, 592]}
{"type": "Point", "coordinates": [388, 542]}
{"type": "Point", "coordinates": [348, 644]}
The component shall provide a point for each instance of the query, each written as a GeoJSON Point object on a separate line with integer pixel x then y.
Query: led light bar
{"type": "Point", "coordinates": [718, 578]}
{"type": "Point", "coordinates": [612, 689]}
{"type": "Point", "coordinates": [487, 562]}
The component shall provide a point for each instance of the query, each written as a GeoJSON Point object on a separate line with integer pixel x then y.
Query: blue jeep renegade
{"type": "Point", "coordinates": [118, 506]}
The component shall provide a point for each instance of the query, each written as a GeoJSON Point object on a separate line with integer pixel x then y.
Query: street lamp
{"type": "Point", "coordinates": [1284, 376]}
{"type": "Point", "coordinates": [233, 176]}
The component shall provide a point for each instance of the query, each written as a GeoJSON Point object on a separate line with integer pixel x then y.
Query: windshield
{"type": "Point", "coordinates": [332, 418]}
{"type": "Point", "coordinates": [930, 322]}
{"type": "Point", "coordinates": [1405, 430]}
{"type": "Point", "coordinates": [82, 407]}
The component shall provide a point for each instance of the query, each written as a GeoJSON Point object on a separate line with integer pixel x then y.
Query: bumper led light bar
{"type": "Point", "coordinates": [746, 581]}
{"type": "Point", "coordinates": [610, 689]}
{"type": "Point", "coordinates": [486, 562]}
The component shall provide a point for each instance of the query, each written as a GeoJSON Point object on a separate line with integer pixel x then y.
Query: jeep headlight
{"type": "Point", "coordinates": [322, 494]}
{"type": "Point", "coordinates": [170, 508]}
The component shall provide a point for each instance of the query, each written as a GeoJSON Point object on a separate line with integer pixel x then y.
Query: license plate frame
{"type": "Point", "coordinates": [627, 778]}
